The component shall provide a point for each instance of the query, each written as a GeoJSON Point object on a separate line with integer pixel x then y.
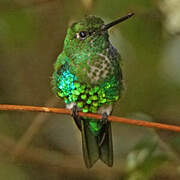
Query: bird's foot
{"type": "Point", "coordinates": [104, 118]}
{"type": "Point", "coordinates": [76, 117]}
{"type": "Point", "coordinates": [75, 112]}
{"type": "Point", "coordinates": [103, 121]}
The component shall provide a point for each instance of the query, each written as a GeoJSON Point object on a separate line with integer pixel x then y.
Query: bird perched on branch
{"type": "Point", "coordinates": [88, 76]}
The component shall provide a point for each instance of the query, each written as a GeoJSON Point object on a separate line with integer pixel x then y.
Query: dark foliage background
{"type": "Point", "coordinates": [41, 146]}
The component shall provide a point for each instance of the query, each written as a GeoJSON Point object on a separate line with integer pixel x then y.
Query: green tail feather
{"type": "Point", "coordinates": [92, 151]}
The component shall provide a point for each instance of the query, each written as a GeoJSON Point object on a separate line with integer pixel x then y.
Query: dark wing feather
{"type": "Point", "coordinates": [95, 147]}
{"type": "Point", "coordinates": [89, 144]}
{"type": "Point", "coordinates": [106, 149]}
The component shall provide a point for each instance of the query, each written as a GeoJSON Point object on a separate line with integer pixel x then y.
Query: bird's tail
{"type": "Point", "coordinates": [96, 146]}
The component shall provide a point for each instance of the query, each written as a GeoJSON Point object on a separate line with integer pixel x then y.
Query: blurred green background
{"type": "Point", "coordinates": [47, 146]}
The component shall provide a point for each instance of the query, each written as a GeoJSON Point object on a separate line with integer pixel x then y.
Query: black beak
{"type": "Point", "coordinates": [107, 26]}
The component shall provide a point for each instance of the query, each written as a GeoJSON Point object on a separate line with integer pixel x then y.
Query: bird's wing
{"type": "Point", "coordinates": [61, 60]}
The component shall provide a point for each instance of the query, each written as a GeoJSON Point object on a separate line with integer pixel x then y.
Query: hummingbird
{"type": "Point", "coordinates": [88, 77]}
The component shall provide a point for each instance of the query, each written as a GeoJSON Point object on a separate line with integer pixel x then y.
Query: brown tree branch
{"type": "Point", "coordinates": [6, 107]}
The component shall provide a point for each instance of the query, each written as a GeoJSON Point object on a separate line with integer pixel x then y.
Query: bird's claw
{"type": "Point", "coordinates": [104, 118]}
{"type": "Point", "coordinates": [103, 121]}
{"type": "Point", "coordinates": [75, 112]}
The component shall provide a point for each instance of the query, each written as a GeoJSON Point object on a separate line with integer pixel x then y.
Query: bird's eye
{"type": "Point", "coordinates": [82, 34]}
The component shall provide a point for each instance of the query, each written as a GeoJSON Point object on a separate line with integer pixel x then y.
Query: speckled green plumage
{"type": "Point", "coordinates": [95, 64]}
{"type": "Point", "coordinates": [88, 73]}
{"type": "Point", "coordinates": [88, 98]}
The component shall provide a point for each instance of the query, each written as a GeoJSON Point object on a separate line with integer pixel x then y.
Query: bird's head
{"type": "Point", "coordinates": [89, 35]}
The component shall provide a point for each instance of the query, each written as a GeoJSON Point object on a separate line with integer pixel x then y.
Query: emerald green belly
{"type": "Point", "coordinates": [88, 98]}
